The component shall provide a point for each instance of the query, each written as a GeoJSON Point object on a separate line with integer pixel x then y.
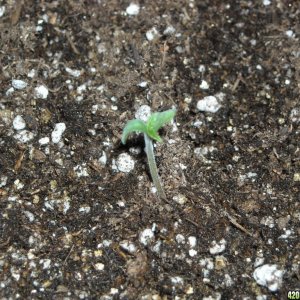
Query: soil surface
{"type": "Point", "coordinates": [79, 222]}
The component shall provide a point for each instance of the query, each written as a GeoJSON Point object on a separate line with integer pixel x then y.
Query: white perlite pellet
{"type": "Point", "coordinates": [24, 136]}
{"type": "Point", "coordinates": [146, 236]}
{"type": "Point", "coordinates": [19, 123]}
{"type": "Point", "coordinates": [99, 266]}
{"type": "Point", "coordinates": [2, 11]}
{"type": "Point", "coordinates": [18, 84]}
{"type": "Point", "coordinates": [143, 113]}
{"type": "Point", "coordinates": [41, 92]}
{"type": "Point", "coordinates": [133, 9]}
{"type": "Point", "coordinates": [204, 85]}
{"type": "Point", "coordinates": [44, 141]}
{"type": "Point", "coordinates": [269, 276]}
{"type": "Point", "coordinates": [58, 132]}
{"type": "Point", "coordinates": [208, 104]}
{"type": "Point", "coordinates": [74, 73]}
{"type": "Point", "coordinates": [217, 247]}
{"type": "Point", "coordinates": [125, 163]}
{"type": "Point", "coordinates": [152, 34]}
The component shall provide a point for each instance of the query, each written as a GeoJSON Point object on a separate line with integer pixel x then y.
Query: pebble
{"type": "Point", "coordinates": [24, 136]}
{"type": "Point", "coordinates": [192, 252]}
{"type": "Point", "coordinates": [180, 239]}
{"type": "Point", "coordinates": [217, 247]}
{"type": "Point", "coordinates": [19, 123]}
{"type": "Point", "coordinates": [269, 276]}
{"type": "Point", "coordinates": [2, 11]}
{"type": "Point", "coordinates": [128, 246]}
{"type": "Point", "coordinates": [74, 73]}
{"type": "Point", "coordinates": [99, 267]}
{"type": "Point", "coordinates": [19, 84]}
{"type": "Point", "coordinates": [84, 209]}
{"type": "Point", "coordinates": [204, 85]}
{"type": "Point", "coordinates": [10, 91]}
{"type": "Point", "coordinates": [192, 240]}
{"type": "Point", "coordinates": [41, 92]}
{"type": "Point", "coordinates": [143, 113]}
{"type": "Point", "coordinates": [201, 69]}
{"type": "Point", "coordinates": [81, 171]}
{"type": "Point", "coordinates": [169, 30]}
{"type": "Point", "coordinates": [29, 215]}
{"type": "Point", "coordinates": [290, 33]}
{"type": "Point", "coordinates": [133, 9]}
{"type": "Point", "coordinates": [57, 132]}
{"type": "Point", "coordinates": [125, 163]}
{"type": "Point", "coordinates": [44, 141]}
{"type": "Point", "coordinates": [208, 104]}
{"type": "Point", "coordinates": [152, 34]}
{"type": "Point", "coordinates": [266, 2]}
{"type": "Point", "coordinates": [146, 236]}
{"type": "Point", "coordinates": [180, 199]}
{"type": "Point", "coordinates": [143, 84]}
{"type": "Point", "coordinates": [268, 221]}
{"type": "Point", "coordinates": [103, 159]}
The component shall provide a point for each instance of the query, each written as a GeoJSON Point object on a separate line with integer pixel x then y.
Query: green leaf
{"type": "Point", "coordinates": [133, 126]}
{"type": "Point", "coordinates": [158, 120]}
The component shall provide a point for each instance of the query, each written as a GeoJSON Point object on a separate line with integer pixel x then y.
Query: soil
{"type": "Point", "coordinates": [73, 226]}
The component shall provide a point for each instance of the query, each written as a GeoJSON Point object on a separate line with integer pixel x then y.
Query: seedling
{"type": "Point", "coordinates": [150, 130]}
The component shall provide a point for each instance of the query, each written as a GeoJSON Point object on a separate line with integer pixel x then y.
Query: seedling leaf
{"type": "Point", "coordinates": [133, 126]}
{"type": "Point", "coordinates": [158, 120]}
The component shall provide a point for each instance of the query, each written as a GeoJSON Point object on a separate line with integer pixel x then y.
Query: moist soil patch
{"type": "Point", "coordinates": [74, 224]}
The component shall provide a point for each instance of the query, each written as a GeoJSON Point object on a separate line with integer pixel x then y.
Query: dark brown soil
{"type": "Point", "coordinates": [72, 226]}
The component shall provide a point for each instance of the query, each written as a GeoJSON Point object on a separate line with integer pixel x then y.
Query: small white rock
{"type": "Point", "coordinates": [208, 104]}
{"type": "Point", "coordinates": [18, 184]}
{"type": "Point", "coordinates": [143, 113]}
{"type": "Point", "coordinates": [176, 280]}
{"type": "Point", "coordinates": [152, 34]}
{"type": "Point", "coordinates": [74, 73]}
{"type": "Point", "coordinates": [269, 276]}
{"type": "Point", "coordinates": [180, 199]}
{"type": "Point", "coordinates": [18, 84]}
{"type": "Point", "coordinates": [133, 9]}
{"type": "Point", "coordinates": [2, 11]}
{"type": "Point", "coordinates": [58, 132]}
{"type": "Point", "coordinates": [31, 73]}
{"type": "Point", "coordinates": [29, 215]}
{"type": "Point", "coordinates": [169, 30]}
{"type": "Point", "coordinates": [180, 239]}
{"type": "Point", "coordinates": [268, 221]}
{"type": "Point", "coordinates": [204, 85]}
{"type": "Point", "coordinates": [146, 236]}
{"type": "Point", "coordinates": [143, 84]}
{"type": "Point", "coordinates": [10, 91]}
{"type": "Point", "coordinates": [99, 267]}
{"type": "Point", "coordinates": [19, 123]}
{"type": "Point", "coordinates": [84, 209]}
{"type": "Point", "coordinates": [192, 252]}
{"type": "Point", "coordinates": [217, 247]}
{"type": "Point", "coordinates": [128, 246]}
{"type": "Point", "coordinates": [192, 240]}
{"type": "Point", "coordinates": [290, 33]}
{"type": "Point", "coordinates": [125, 163]}
{"type": "Point", "coordinates": [201, 69]}
{"type": "Point", "coordinates": [44, 141]}
{"type": "Point", "coordinates": [103, 159]}
{"type": "Point", "coordinates": [24, 136]}
{"type": "Point", "coordinates": [266, 2]}
{"type": "Point", "coordinates": [81, 171]}
{"type": "Point", "coordinates": [41, 92]}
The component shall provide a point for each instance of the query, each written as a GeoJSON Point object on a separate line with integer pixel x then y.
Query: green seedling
{"type": "Point", "coordinates": [150, 130]}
